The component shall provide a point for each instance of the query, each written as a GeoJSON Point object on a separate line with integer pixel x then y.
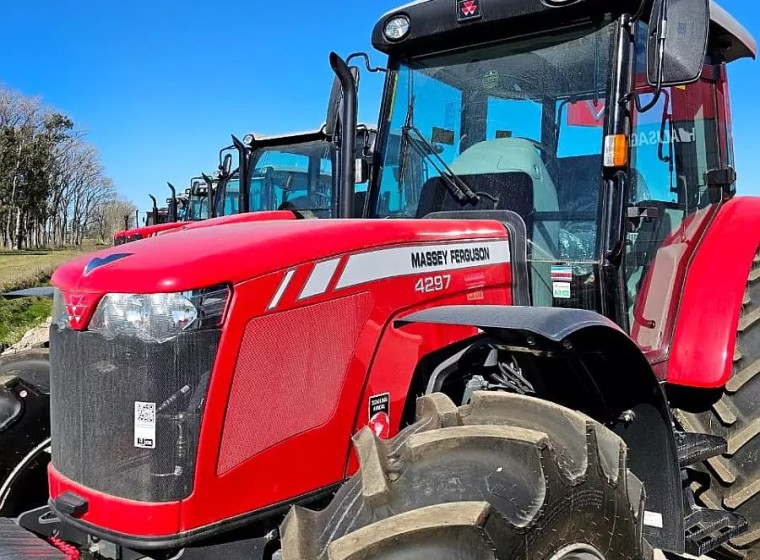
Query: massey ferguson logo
{"type": "Point", "coordinates": [468, 10]}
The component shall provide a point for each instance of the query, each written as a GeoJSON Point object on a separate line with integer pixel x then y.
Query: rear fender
{"type": "Point", "coordinates": [702, 351]}
{"type": "Point", "coordinates": [581, 360]}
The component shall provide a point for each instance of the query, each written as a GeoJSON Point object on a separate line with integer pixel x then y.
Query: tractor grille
{"type": "Point", "coordinates": [109, 396]}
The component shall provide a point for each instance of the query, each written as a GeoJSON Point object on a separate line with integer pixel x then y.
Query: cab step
{"type": "Point", "coordinates": [16, 543]}
{"type": "Point", "coordinates": [695, 448]}
{"type": "Point", "coordinates": [707, 529]}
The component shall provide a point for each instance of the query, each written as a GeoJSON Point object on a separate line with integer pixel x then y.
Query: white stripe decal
{"type": "Point", "coordinates": [319, 278]}
{"type": "Point", "coordinates": [281, 290]}
{"type": "Point", "coordinates": [420, 259]}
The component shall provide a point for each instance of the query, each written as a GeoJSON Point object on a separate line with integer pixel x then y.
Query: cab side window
{"type": "Point", "coordinates": [672, 148]}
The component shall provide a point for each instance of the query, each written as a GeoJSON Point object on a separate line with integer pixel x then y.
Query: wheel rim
{"type": "Point", "coordinates": [578, 552]}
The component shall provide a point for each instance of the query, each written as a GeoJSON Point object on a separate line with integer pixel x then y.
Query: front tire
{"type": "Point", "coordinates": [504, 477]}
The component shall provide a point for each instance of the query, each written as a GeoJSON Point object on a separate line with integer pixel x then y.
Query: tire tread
{"type": "Point", "coordinates": [492, 423]}
{"type": "Point", "coordinates": [735, 481]}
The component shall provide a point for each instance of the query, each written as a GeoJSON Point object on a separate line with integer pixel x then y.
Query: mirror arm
{"type": "Point", "coordinates": [661, 40]}
{"type": "Point", "coordinates": [367, 63]}
{"type": "Point", "coordinates": [221, 154]}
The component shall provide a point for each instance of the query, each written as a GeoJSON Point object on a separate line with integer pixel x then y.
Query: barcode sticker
{"type": "Point", "coordinates": [145, 425]}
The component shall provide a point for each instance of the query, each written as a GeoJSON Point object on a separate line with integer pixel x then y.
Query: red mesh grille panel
{"type": "Point", "coordinates": [286, 360]}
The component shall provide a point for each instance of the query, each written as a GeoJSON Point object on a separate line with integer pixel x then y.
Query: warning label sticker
{"type": "Point", "coordinates": [380, 414]}
{"type": "Point", "coordinates": [562, 277]}
{"type": "Point", "coordinates": [145, 425]}
{"type": "Point", "coordinates": [561, 290]}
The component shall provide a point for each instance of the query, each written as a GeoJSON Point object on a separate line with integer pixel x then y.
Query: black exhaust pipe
{"type": "Point", "coordinates": [211, 200]}
{"type": "Point", "coordinates": [155, 209]}
{"type": "Point", "coordinates": [243, 174]}
{"type": "Point", "coordinates": [348, 136]}
{"type": "Point", "coordinates": [173, 204]}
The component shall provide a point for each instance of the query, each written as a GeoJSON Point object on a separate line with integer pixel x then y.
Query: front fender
{"type": "Point", "coordinates": [702, 349]}
{"type": "Point", "coordinates": [24, 431]}
{"type": "Point", "coordinates": [585, 362]}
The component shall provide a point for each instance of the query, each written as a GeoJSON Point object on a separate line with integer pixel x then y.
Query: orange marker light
{"type": "Point", "coordinates": [615, 150]}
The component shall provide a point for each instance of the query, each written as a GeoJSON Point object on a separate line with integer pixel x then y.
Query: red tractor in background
{"type": "Point", "coordinates": [156, 219]}
{"type": "Point", "coordinates": [528, 349]}
{"type": "Point", "coordinates": [286, 172]}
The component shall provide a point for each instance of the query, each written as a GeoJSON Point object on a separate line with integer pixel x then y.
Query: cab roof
{"type": "Point", "coordinates": [432, 19]}
{"type": "Point", "coordinates": [730, 36]}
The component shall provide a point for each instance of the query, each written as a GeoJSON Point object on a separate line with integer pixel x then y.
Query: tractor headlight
{"type": "Point", "coordinates": [159, 317]}
{"type": "Point", "coordinates": [397, 28]}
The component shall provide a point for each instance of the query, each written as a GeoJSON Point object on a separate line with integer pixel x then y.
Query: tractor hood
{"type": "Point", "coordinates": [233, 253]}
{"type": "Point", "coordinates": [273, 215]}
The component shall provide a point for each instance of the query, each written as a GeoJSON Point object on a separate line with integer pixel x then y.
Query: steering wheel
{"type": "Point", "coordinates": [541, 147]}
{"type": "Point", "coordinates": [327, 199]}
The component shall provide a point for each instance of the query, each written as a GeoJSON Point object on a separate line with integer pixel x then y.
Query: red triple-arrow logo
{"type": "Point", "coordinates": [469, 7]}
{"type": "Point", "coordinates": [79, 308]}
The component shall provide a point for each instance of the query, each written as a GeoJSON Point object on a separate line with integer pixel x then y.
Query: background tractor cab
{"type": "Point", "coordinates": [156, 220]}
{"type": "Point", "coordinates": [200, 197]}
{"type": "Point", "coordinates": [293, 172]}
{"type": "Point", "coordinates": [302, 172]}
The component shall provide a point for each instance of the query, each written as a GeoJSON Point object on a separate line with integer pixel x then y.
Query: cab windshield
{"type": "Point", "coordinates": [296, 176]}
{"type": "Point", "coordinates": [520, 124]}
{"type": "Point", "coordinates": [197, 208]}
{"type": "Point", "coordinates": [227, 200]}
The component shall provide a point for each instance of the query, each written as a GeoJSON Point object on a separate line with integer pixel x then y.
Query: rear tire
{"type": "Point", "coordinates": [504, 477]}
{"type": "Point", "coordinates": [733, 481]}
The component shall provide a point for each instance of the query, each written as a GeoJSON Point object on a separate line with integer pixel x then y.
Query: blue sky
{"type": "Point", "coordinates": [160, 85]}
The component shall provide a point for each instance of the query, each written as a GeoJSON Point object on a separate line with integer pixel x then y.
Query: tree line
{"type": "Point", "coordinates": [53, 188]}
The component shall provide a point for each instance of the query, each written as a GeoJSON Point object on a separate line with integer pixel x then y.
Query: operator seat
{"type": "Point", "coordinates": [511, 170]}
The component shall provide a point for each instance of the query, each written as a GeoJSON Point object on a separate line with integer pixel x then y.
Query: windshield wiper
{"type": "Point", "coordinates": [457, 186]}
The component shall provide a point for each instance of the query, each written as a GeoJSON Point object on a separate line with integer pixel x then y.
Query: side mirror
{"type": "Point", "coordinates": [227, 164]}
{"type": "Point", "coordinates": [677, 43]}
{"type": "Point", "coordinates": [362, 171]}
{"type": "Point", "coordinates": [335, 104]}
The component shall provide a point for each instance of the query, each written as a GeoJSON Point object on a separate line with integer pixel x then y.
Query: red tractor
{"type": "Point", "coordinates": [524, 340]}
{"type": "Point", "coordinates": [298, 166]}
{"type": "Point", "coordinates": [157, 219]}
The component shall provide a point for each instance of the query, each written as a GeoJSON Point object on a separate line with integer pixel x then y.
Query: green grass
{"type": "Point", "coordinates": [19, 315]}
{"type": "Point", "coordinates": [27, 269]}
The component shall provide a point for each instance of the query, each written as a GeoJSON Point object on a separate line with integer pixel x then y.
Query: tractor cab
{"type": "Point", "coordinates": [291, 172]}
{"type": "Point", "coordinates": [590, 128]}
{"type": "Point", "coordinates": [199, 199]}
{"type": "Point", "coordinates": [157, 216]}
